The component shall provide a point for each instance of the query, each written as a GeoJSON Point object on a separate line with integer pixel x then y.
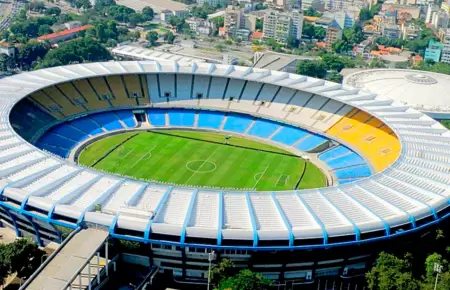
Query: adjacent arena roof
{"type": "Point", "coordinates": [411, 194]}
{"type": "Point", "coordinates": [425, 91]}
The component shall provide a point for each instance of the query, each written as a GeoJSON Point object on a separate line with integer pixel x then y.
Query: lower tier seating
{"type": "Point", "coordinates": [346, 164]}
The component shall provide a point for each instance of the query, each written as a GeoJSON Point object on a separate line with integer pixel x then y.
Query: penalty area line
{"type": "Point", "coordinates": [260, 177]}
{"type": "Point", "coordinates": [142, 157]}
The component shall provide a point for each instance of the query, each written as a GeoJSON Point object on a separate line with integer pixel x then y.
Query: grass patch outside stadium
{"type": "Point", "coordinates": [196, 158]}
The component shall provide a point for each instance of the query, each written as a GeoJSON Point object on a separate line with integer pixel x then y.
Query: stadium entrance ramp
{"type": "Point", "coordinates": [68, 266]}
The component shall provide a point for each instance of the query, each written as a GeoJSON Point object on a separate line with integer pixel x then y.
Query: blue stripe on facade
{"type": "Point", "coordinates": [220, 219]}
{"type": "Point", "coordinates": [355, 228]}
{"type": "Point", "coordinates": [252, 219]}
{"type": "Point", "coordinates": [157, 209]}
{"type": "Point", "coordinates": [188, 216]}
{"type": "Point", "coordinates": [287, 224]}
{"type": "Point", "coordinates": [318, 221]}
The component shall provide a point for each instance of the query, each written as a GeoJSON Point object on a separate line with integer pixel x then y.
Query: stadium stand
{"type": "Point", "coordinates": [369, 135]}
{"type": "Point", "coordinates": [120, 96]}
{"type": "Point", "coordinates": [263, 128]}
{"type": "Point", "coordinates": [28, 118]}
{"type": "Point", "coordinates": [210, 119]}
{"type": "Point", "coordinates": [94, 101]}
{"type": "Point", "coordinates": [127, 118]}
{"type": "Point", "coordinates": [237, 123]}
{"type": "Point", "coordinates": [157, 117]}
{"type": "Point", "coordinates": [183, 118]}
{"type": "Point", "coordinates": [289, 135]}
{"type": "Point", "coordinates": [107, 120]}
{"type": "Point", "coordinates": [410, 190]}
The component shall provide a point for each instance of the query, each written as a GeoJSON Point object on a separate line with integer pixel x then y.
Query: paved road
{"type": "Point", "coordinates": [13, 10]}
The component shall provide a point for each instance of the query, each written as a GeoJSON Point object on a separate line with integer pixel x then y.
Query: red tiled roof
{"type": "Point", "coordinates": [64, 32]}
{"type": "Point", "coordinates": [257, 35]}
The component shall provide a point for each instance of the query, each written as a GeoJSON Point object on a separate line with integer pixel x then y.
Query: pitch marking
{"type": "Point", "coordinates": [207, 160]}
{"type": "Point", "coordinates": [142, 157]}
{"type": "Point", "coordinates": [129, 152]}
{"type": "Point", "coordinates": [260, 177]}
{"type": "Point", "coordinates": [203, 162]}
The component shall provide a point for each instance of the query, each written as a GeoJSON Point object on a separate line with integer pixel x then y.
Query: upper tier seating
{"type": "Point", "coordinates": [211, 119]}
{"type": "Point", "coordinates": [120, 96]}
{"type": "Point", "coordinates": [184, 118]}
{"type": "Point", "coordinates": [370, 136]}
{"type": "Point", "coordinates": [107, 120]}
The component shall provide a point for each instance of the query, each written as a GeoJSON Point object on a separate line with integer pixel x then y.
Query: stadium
{"type": "Point", "coordinates": [363, 170]}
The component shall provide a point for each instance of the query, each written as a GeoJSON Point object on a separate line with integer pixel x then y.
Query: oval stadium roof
{"type": "Point", "coordinates": [414, 191]}
{"type": "Point", "coordinates": [426, 91]}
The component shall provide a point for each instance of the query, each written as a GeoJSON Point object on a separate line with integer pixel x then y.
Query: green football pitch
{"type": "Point", "coordinates": [201, 159]}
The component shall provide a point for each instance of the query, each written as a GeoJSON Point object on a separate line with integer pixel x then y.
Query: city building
{"type": "Point", "coordinates": [410, 31]}
{"type": "Point", "coordinates": [176, 8]}
{"type": "Point", "coordinates": [445, 56]}
{"type": "Point", "coordinates": [199, 25]}
{"type": "Point", "coordinates": [235, 19]}
{"type": "Point", "coordinates": [64, 35]}
{"type": "Point", "coordinates": [433, 51]}
{"type": "Point", "coordinates": [342, 5]}
{"type": "Point", "coordinates": [279, 61]}
{"type": "Point", "coordinates": [412, 10]}
{"type": "Point", "coordinates": [282, 25]}
{"type": "Point", "coordinates": [213, 2]}
{"type": "Point", "coordinates": [363, 49]}
{"type": "Point", "coordinates": [439, 19]}
{"type": "Point", "coordinates": [318, 5]}
{"type": "Point", "coordinates": [8, 49]}
{"type": "Point", "coordinates": [334, 33]}
{"type": "Point", "coordinates": [391, 31]}
{"type": "Point", "coordinates": [344, 19]}
{"type": "Point", "coordinates": [430, 9]}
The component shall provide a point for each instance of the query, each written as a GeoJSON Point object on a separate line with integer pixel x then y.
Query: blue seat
{"type": "Point", "coordinates": [183, 118]}
{"type": "Point", "coordinates": [353, 172]}
{"type": "Point", "coordinates": [344, 181]}
{"type": "Point", "coordinates": [289, 135]}
{"type": "Point", "coordinates": [86, 125]}
{"type": "Point", "coordinates": [157, 117]}
{"type": "Point", "coordinates": [69, 132]}
{"type": "Point", "coordinates": [263, 128]}
{"type": "Point", "coordinates": [107, 120]}
{"type": "Point", "coordinates": [334, 152]}
{"type": "Point", "coordinates": [310, 142]}
{"type": "Point", "coordinates": [210, 119]}
{"type": "Point", "coordinates": [127, 118]}
{"type": "Point", "coordinates": [346, 161]}
{"type": "Point", "coordinates": [27, 118]}
{"type": "Point", "coordinates": [237, 123]}
{"type": "Point", "coordinates": [56, 140]}
{"type": "Point", "coordinates": [56, 150]}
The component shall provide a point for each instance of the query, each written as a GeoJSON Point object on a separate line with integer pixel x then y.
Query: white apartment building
{"type": "Point", "coordinates": [440, 19]}
{"type": "Point", "coordinates": [445, 56]}
{"type": "Point", "coordinates": [281, 25]}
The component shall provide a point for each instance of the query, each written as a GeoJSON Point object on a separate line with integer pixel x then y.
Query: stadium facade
{"type": "Point", "coordinates": [389, 162]}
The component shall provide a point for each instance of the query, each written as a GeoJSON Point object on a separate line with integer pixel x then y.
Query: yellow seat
{"type": "Point", "coordinates": [370, 136]}
{"type": "Point", "coordinates": [93, 100]}
{"type": "Point", "coordinates": [70, 91]}
{"type": "Point", "coordinates": [137, 85]}
{"type": "Point", "coordinates": [120, 95]}
{"type": "Point", "coordinates": [67, 106]}
{"type": "Point", "coordinates": [48, 104]}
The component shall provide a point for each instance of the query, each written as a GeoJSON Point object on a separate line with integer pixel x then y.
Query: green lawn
{"type": "Point", "coordinates": [202, 159]}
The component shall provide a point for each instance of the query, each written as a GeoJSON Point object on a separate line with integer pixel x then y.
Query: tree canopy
{"type": "Point", "coordinates": [22, 257]}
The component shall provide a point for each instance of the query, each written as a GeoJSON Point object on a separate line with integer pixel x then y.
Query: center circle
{"type": "Point", "coordinates": [201, 166]}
